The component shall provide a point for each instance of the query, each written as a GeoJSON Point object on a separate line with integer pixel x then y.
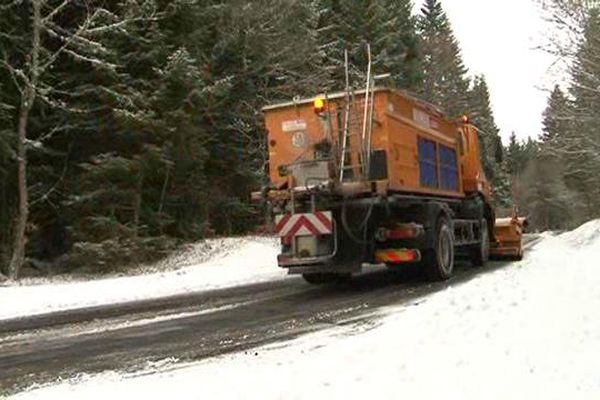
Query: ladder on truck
{"type": "Point", "coordinates": [357, 129]}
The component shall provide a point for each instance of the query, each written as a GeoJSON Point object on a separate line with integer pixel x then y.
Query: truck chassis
{"type": "Point", "coordinates": [393, 229]}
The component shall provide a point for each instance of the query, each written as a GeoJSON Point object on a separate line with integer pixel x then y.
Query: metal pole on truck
{"type": "Point", "coordinates": [346, 118]}
{"type": "Point", "coordinates": [366, 112]}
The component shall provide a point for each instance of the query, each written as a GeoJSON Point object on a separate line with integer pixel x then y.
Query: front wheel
{"type": "Point", "coordinates": [439, 261]}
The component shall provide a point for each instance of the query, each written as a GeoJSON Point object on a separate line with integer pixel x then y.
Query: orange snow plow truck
{"type": "Point", "coordinates": [378, 177]}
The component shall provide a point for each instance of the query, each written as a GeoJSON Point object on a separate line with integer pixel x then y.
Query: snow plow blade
{"type": "Point", "coordinates": [509, 238]}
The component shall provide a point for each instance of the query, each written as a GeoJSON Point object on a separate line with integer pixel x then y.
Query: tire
{"type": "Point", "coordinates": [326, 278]}
{"type": "Point", "coordinates": [480, 254]}
{"type": "Point", "coordinates": [439, 261]}
{"type": "Point", "coordinates": [519, 256]}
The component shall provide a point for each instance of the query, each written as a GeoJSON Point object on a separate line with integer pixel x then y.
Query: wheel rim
{"type": "Point", "coordinates": [446, 250]}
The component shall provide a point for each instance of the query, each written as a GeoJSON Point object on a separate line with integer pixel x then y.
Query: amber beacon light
{"type": "Point", "coordinates": [319, 105]}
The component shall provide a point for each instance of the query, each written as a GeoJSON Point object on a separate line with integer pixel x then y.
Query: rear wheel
{"type": "Point", "coordinates": [439, 261]}
{"type": "Point", "coordinates": [480, 253]}
{"type": "Point", "coordinates": [519, 256]}
{"type": "Point", "coordinates": [326, 278]}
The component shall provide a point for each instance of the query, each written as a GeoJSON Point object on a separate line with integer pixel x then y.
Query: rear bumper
{"type": "Point", "coordinates": [317, 265]}
{"type": "Point", "coordinates": [325, 269]}
{"type": "Point", "coordinates": [285, 261]}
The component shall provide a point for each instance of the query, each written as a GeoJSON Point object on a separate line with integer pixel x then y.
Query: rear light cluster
{"type": "Point", "coordinates": [398, 232]}
{"type": "Point", "coordinates": [397, 256]}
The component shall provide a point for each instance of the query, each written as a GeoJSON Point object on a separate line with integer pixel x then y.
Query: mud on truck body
{"type": "Point", "coordinates": [377, 176]}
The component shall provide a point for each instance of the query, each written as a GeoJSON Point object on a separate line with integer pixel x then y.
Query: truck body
{"type": "Point", "coordinates": [378, 177]}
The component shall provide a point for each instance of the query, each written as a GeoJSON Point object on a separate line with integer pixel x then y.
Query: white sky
{"type": "Point", "coordinates": [497, 38]}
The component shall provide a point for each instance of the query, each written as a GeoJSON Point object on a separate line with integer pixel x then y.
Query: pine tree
{"type": "Point", "coordinates": [503, 187]}
{"type": "Point", "coordinates": [481, 114]}
{"type": "Point", "coordinates": [399, 45]}
{"type": "Point", "coordinates": [52, 99]}
{"type": "Point", "coordinates": [515, 156]}
{"type": "Point", "coordinates": [544, 197]}
{"type": "Point", "coordinates": [548, 201]}
{"type": "Point", "coordinates": [580, 144]}
{"type": "Point", "coordinates": [386, 25]}
{"type": "Point", "coordinates": [518, 157]}
{"type": "Point", "coordinates": [556, 116]}
{"type": "Point", "coordinates": [445, 83]}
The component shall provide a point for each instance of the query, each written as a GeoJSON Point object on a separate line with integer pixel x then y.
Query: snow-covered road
{"type": "Point", "coordinates": [235, 262]}
{"type": "Point", "coordinates": [529, 330]}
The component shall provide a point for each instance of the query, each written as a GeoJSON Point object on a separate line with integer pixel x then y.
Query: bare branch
{"type": "Point", "coordinates": [58, 128]}
{"type": "Point", "coordinates": [118, 25]}
{"type": "Point", "coordinates": [91, 60]}
{"type": "Point", "coordinates": [55, 12]}
{"type": "Point", "coordinates": [10, 5]}
{"type": "Point", "coordinates": [5, 106]}
{"type": "Point", "coordinates": [14, 74]}
{"type": "Point", "coordinates": [57, 53]}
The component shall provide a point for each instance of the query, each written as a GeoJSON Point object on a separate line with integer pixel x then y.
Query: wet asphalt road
{"type": "Point", "coordinates": [197, 326]}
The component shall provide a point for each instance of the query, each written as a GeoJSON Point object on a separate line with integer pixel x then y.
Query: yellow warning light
{"type": "Point", "coordinates": [319, 105]}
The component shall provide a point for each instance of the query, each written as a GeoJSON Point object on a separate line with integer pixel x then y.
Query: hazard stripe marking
{"type": "Point", "coordinates": [303, 223]}
{"type": "Point", "coordinates": [282, 223]}
{"type": "Point", "coordinates": [308, 224]}
{"type": "Point", "coordinates": [324, 220]}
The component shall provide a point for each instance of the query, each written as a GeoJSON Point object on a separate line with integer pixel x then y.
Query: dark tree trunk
{"type": "Point", "coordinates": [19, 238]}
{"type": "Point", "coordinates": [28, 97]}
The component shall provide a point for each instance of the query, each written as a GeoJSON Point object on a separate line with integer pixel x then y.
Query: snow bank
{"type": "Point", "coordinates": [528, 331]}
{"type": "Point", "coordinates": [240, 261]}
{"type": "Point", "coordinates": [587, 234]}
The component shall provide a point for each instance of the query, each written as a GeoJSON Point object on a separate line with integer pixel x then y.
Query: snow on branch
{"type": "Point", "coordinates": [97, 62]}
{"type": "Point", "coordinates": [57, 10]}
{"type": "Point", "coordinates": [115, 24]}
{"type": "Point", "coordinates": [13, 3]}
{"type": "Point", "coordinates": [78, 42]}
{"type": "Point", "coordinates": [16, 74]}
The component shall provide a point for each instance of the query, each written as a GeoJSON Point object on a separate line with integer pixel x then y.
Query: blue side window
{"type": "Point", "coordinates": [448, 168]}
{"type": "Point", "coordinates": [428, 163]}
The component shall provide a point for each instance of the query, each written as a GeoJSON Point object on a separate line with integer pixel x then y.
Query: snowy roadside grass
{"type": "Point", "coordinates": [530, 330]}
{"type": "Point", "coordinates": [232, 262]}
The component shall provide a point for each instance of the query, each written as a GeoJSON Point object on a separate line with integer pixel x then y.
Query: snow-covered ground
{"type": "Point", "coordinates": [238, 261]}
{"type": "Point", "coordinates": [528, 331]}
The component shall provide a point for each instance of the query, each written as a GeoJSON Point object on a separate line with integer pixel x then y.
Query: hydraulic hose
{"type": "Point", "coordinates": [362, 227]}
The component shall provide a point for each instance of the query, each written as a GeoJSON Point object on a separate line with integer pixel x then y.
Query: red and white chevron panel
{"type": "Point", "coordinates": [310, 224]}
